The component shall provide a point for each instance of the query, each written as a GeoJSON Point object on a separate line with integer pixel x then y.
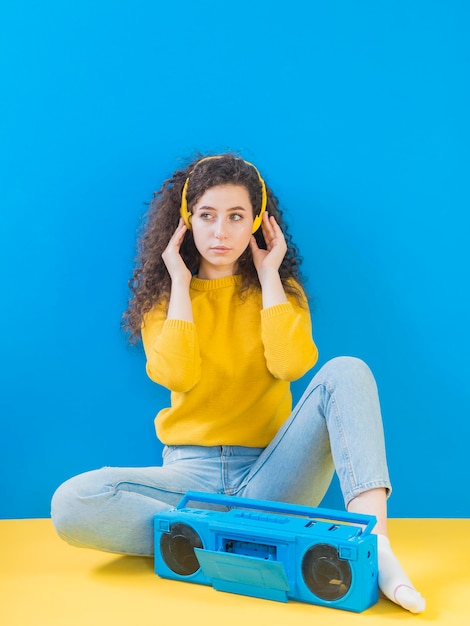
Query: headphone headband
{"type": "Point", "coordinates": [187, 216]}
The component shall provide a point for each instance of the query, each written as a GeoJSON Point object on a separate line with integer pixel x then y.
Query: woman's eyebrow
{"type": "Point", "coordinates": [210, 208]}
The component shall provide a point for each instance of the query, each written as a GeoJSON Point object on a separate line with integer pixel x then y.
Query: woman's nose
{"type": "Point", "coordinates": [220, 230]}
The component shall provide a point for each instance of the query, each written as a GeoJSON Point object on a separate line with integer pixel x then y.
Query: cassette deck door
{"type": "Point", "coordinates": [244, 575]}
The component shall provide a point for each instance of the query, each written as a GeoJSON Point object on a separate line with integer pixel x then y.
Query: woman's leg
{"type": "Point", "coordinates": [112, 509]}
{"type": "Point", "coordinates": [336, 424]}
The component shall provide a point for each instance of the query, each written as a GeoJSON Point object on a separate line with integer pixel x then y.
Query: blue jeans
{"type": "Point", "coordinates": [336, 425]}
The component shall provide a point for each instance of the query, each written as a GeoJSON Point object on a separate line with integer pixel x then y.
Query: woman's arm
{"type": "Point", "coordinates": [170, 340]}
{"type": "Point", "coordinates": [286, 327]}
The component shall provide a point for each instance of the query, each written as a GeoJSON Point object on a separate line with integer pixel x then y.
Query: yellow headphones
{"type": "Point", "coordinates": [187, 215]}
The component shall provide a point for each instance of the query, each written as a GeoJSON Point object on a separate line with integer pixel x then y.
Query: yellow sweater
{"type": "Point", "coordinates": [229, 370]}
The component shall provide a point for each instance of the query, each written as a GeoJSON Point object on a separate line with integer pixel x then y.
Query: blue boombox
{"type": "Point", "coordinates": [270, 550]}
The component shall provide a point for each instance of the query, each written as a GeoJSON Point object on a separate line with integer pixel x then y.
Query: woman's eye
{"type": "Point", "coordinates": [233, 217]}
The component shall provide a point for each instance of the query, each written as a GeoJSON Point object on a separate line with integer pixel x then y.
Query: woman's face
{"type": "Point", "coordinates": [222, 222]}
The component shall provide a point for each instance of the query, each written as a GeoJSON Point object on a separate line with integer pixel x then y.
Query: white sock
{"type": "Point", "coordinates": [393, 582]}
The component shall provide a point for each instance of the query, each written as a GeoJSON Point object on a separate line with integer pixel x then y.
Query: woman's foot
{"type": "Point", "coordinates": [393, 582]}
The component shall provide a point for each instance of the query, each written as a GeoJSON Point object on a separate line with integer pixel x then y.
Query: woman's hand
{"type": "Point", "coordinates": [172, 258]}
{"type": "Point", "coordinates": [270, 259]}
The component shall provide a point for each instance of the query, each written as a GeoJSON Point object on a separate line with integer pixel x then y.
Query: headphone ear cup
{"type": "Point", "coordinates": [187, 218]}
{"type": "Point", "coordinates": [264, 201]}
{"type": "Point", "coordinates": [257, 222]}
{"type": "Point", "coordinates": [185, 214]}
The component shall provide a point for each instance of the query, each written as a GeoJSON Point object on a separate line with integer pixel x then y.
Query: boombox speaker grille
{"type": "Point", "coordinates": [177, 549]}
{"type": "Point", "coordinates": [324, 573]}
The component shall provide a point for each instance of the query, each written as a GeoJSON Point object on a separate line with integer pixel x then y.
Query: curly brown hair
{"type": "Point", "coordinates": [150, 283]}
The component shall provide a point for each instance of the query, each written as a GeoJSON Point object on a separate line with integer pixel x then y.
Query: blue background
{"type": "Point", "coordinates": [357, 113]}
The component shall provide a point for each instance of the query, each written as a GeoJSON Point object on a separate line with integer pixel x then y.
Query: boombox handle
{"type": "Point", "coordinates": [368, 521]}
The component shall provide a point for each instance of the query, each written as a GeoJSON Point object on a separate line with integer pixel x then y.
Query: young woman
{"type": "Point", "coordinates": [218, 301]}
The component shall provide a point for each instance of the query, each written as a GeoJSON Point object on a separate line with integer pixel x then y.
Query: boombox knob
{"type": "Point", "coordinates": [324, 573]}
{"type": "Point", "coordinates": [177, 549]}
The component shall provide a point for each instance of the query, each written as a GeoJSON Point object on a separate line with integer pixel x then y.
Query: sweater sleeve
{"type": "Point", "coordinates": [287, 338]}
{"type": "Point", "coordinates": [172, 351]}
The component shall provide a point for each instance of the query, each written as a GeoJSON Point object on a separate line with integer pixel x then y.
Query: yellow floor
{"type": "Point", "coordinates": [44, 581]}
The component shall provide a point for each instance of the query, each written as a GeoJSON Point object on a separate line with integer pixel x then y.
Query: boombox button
{"type": "Point", "coordinates": [348, 552]}
{"type": "Point", "coordinates": [261, 517]}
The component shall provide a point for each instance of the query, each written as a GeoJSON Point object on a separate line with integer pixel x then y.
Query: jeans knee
{"type": "Point", "coordinates": [351, 369]}
{"type": "Point", "coordinates": [63, 509]}
{"type": "Point", "coordinates": [70, 513]}
{"type": "Point", "coordinates": [348, 364]}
